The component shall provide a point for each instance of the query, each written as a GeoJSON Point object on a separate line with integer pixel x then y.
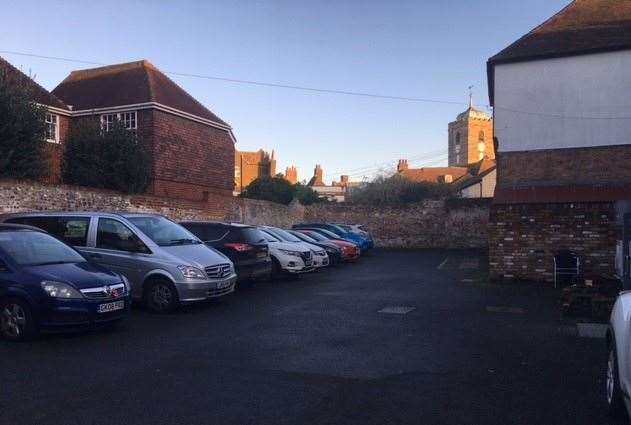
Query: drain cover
{"type": "Point", "coordinates": [402, 309]}
{"type": "Point", "coordinates": [512, 310]}
{"type": "Point", "coordinates": [591, 330]}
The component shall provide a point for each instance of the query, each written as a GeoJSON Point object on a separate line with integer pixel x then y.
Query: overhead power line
{"type": "Point", "coordinates": [329, 91]}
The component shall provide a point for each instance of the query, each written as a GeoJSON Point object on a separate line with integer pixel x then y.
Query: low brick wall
{"type": "Point", "coordinates": [523, 239]}
{"type": "Point", "coordinates": [458, 223]}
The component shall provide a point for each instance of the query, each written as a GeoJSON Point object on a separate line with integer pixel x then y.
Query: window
{"type": "Point", "coordinates": [114, 235]}
{"type": "Point", "coordinates": [127, 119]}
{"type": "Point", "coordinates": [52, 126]}
{"type": "Point", "coordinates": [481, 136]}
{"type": "Point", "coordinates": [458, 139]}
{"type": "Point", "coordinates": [72, 230]}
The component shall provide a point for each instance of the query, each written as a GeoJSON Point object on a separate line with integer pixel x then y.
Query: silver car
{"type": "Point", "coordinates": [165, 264]}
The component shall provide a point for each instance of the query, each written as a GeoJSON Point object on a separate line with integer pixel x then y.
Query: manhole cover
{"type": "Point", "coordinates": [396, 310]}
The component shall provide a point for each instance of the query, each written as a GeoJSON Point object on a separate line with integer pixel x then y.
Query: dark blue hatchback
{"type": "Point", "coordinates": [47, 285]}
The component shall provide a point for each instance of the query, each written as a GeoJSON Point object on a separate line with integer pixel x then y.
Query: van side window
{"type": "Point", "coordinates": [72, 230]}
{"type": "Point", "coordinates": [112, 234]}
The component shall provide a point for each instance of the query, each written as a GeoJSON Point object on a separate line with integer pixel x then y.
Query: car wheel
{"type": "Point", "coordinates": [276, 269]}
{"type": "Point", "coordinates": [615, 404]}
{"type": "Point", "coordinates": [160, 296]}
{"type": "Point", "coordinates": [16, 320]}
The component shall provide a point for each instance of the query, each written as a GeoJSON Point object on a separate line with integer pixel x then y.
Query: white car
{"type": "Point", "coordinates": [287, 257]}
{"type": "Point", "coordinates": [618, 377]}
{"type": "Point", "coordinates": [320, 257]}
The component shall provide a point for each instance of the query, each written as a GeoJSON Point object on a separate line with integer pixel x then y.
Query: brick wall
{"type": "Point", "coordinates": [523, 239]}
{"type": "Point", "coordinates": [430, 224]}
{"type": "Point", "coordinates": [190, 158]}
{"type": "Point", "coordinates": [565, 166]}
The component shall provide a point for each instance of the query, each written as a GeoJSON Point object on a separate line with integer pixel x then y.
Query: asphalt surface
{"type": "Point", "coordinates": [317, 351]}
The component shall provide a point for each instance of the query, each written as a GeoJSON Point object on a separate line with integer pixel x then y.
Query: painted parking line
{"type": "Point", "coordinates": [470, 264]}
{"type": "Point", "coordinates": [503, 309]}
{"type": "Point", "coordinates": [443, 264]}
{"type": "Point", "coordinates": [401, 309]}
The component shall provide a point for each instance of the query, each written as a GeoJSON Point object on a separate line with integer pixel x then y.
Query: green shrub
{"type": "Point", "coordinates": [397, 189]}
{"type": "Point", "coordinates": [109, 160]}
{"type": "Point", "coordinates": [22, 132]}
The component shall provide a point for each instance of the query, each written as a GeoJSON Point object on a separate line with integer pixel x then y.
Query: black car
{"type": "Point", "coordinates": [244, 245]}
{"type": "Point", "coordinates": [332, 250]}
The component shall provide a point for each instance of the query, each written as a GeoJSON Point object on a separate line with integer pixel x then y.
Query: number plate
{"type": "Point", "coordinates": [223, 285]}
{"type": "Point", "coordinates": [106, 308]}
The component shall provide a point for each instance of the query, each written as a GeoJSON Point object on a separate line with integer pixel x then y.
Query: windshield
{"type": "Point", "coordinates": [315, 235]}
{"type": "Point", "coordinates": [269, 237]}
{"type": "Point", "coordinates": [303, 237]}
{"type": "Point", "coordinates": [29, 248]}
{"type": "Point", "coordinates": [252, 235]}
{"type": "Point", "coordinates": [163, 231]}
{"type": "Point", "coordinates": [326, 233]}
{"type": "Point", "coordinates": [283, 235]}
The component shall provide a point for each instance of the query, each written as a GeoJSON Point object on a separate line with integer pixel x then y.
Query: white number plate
{"type": "Point", "coordinates": [223, 285]}
{"type": "Point", "coordinates": [106, 308]}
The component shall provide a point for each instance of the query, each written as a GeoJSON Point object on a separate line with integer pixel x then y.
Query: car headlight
{"type": "Point", "coordinates": [192, 272]}
{"type": "Point", "coordinates": [288, 252]}
{"type": "Point", "coordinates": [321, 253]}
{"type": "Point", "coordinates": [60, 290]}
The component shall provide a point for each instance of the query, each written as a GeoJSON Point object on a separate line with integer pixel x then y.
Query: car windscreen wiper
{"type": "Point", "coordinates": [183, 241]}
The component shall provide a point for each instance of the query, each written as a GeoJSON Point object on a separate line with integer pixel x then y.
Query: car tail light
{"type": "Point", "coordinates": [240, 247]}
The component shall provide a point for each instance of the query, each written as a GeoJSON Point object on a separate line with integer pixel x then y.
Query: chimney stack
{"type": "Point", "coordinates": [402, 165]}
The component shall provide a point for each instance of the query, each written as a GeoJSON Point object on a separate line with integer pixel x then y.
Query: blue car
{"type": "Point", "coordinates": [47, 285]}
{"type": "Point", "coordinates": [357, 239]}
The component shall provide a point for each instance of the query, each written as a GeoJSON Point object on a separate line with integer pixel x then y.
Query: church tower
{"type": "Point", "coordinates": [470, 137]}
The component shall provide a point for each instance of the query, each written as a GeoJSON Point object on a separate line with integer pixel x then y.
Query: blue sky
{"type": "Point", "coordinates": [423, 48]}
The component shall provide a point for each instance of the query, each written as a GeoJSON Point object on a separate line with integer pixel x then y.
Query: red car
{"type": "Point", "coordinates": [350, 251]}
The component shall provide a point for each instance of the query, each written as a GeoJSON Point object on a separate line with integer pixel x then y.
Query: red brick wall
{"type": "Point", "coordinates": [564, 166]}
{"type": "Point", "coordinates": [54, 151]}
{"type": "Point", "coordinates": [523, 239]}
{"type": "Point", "coordinates": [190, 158]}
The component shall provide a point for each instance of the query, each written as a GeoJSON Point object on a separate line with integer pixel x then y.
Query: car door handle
{"type": "Point", "coordinates": [94, 255]}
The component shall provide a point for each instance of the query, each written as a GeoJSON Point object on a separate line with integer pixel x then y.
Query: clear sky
{"type": "Point", "coordinates": [423, 48]}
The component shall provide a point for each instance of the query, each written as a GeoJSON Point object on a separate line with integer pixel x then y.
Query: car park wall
{"type": "Point", "coordinates": [523, 239]}
{"type": "Point", "coordinates": [456, 223]}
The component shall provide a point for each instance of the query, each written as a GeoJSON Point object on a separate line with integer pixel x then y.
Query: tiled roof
{"type": "Point", "coordinates": [126, 84]}
{"type": "Point", "coordinates": [562, 194]}
{"type": "Point", "coordinates": [433, 174]}
{"type": "Point", "coordinates": [40, 94]}
{"type": "Point", "coordinates": [581, 27]}
{"type": "Point", "coordinates": [477, 172]}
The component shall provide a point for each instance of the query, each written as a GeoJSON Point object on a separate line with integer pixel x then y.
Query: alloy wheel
{"type": "Point", "coordinates": [13, 320]}
{"type": "Point", "coordinates": [610, 377]}
{"type": "Point", "coordinates": [162, 296]}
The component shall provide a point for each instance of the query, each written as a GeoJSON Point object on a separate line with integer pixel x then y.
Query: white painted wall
{"type": "Point", "coordinates": [595, 86]}
{"type": "Point", "coordinates": [484, 189]}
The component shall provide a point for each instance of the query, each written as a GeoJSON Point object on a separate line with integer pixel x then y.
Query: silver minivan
{"type": "Point", "coordinates": [165, 264]}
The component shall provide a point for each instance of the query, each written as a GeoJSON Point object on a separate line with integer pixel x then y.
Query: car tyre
{"type": "Point", "coordinates": [16, 320]}
{"type": "Point", "coordinates": [615, 403]}
{"type": "Point", "coordinates": [276, 269]}
{"type": "Point", "coordinates": [160, 296]}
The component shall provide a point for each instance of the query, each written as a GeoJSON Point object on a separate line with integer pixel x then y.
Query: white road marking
{"type": "Point", "coordinates": [501, 309]}
{"type": "Point", "coordinates": [441, 265]}
{"type": "Point", "coordinates": [591, 330]}
{"type": "Point", "coordinates": [397, 309]}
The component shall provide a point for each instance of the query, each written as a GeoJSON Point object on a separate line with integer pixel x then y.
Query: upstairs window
{"type": "Point", "coordinates": [52, 128]}
{"type": "Point", "coordinates": [127, 119]}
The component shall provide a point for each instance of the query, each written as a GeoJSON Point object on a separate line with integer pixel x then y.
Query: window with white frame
{"type": "Point", "coordinates": [127, 119]}
{"type": "Point", "coordinates": [52, 128]}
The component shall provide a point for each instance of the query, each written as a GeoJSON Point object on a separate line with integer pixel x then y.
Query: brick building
{"type": "Point", "coordinates": [336, 191]}
{"type": "Point", "coordinates": [470, 137]}
{"type": "Point", "coordinates": [563, 150]}
{"type": "Point", "coordinates": [190, 148]}
{"type": "Point", "coordinates": [291, 174]}
{"type": "Point", "coordinates": [57, 117]}
{"type": "Point", "coordinates": [249, 166]}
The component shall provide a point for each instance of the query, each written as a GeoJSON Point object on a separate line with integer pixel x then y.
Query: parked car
{"type": "Point", "coordinates": [165, 264]}
{"type": "Point", "coordinates": [47, 285]}
{"type": "Point", "coordinates": [361, 241]}
{"type": "Point", "coordinates": [320, 257]}
{"type": "Point", "coordinates": [333, 251]}
{"type": "Point", "coordinates": [287, 257]}
{"type": "Point", "coordinates": [618, 372]}
{"type": "Point", "coordinates": [358, 229]}
{"type": "Point", "coordinates": [244, 245]}
{"type": "Point", "coordinates": [350, 251]}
